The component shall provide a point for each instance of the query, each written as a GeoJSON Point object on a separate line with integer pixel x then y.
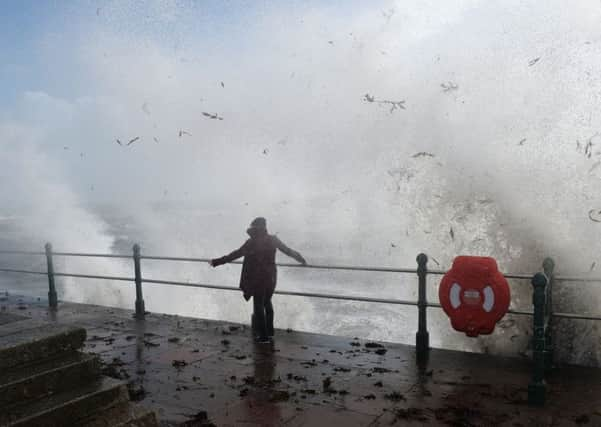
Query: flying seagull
{"type": "Point", "coordinates": [393, 104]}
{"type": "Point", "coordinates": [155, 139]}
{"type": "Point", "coordinates": [447, 87]}
{"type": "Point", "coordinates": [183, 132]}
{"type": "Point", "coordinates": [212, 116]}
{"type": "Point", "coordinates": [423, 154]}
{"type": "Point", "coordinates": [119, 142]}
{"type": "Point", "coordinates": [131, 141]}
{"type": "Point", "coordinates": [595, 215]}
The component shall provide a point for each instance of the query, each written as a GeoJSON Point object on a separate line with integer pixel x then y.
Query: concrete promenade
{"type": "Point", "coordinates": [198, 372]}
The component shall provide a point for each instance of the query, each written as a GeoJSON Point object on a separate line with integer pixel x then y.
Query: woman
{"type": "Point", "coordinates": [259, 273]}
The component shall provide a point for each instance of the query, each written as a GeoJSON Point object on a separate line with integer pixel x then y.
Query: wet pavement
{"type": "Point", "coordinates": [199, 372]}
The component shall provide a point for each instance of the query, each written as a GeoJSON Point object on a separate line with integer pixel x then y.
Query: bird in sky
{"type": "Point", "coordinates": [423, 154]}
{"type": "Point", "coordinates": [131, 141]}
{"type": "Point", "coordinates": [183, 132]}
{"type": "Point", "coordinates": [222, 85]}
{"type": "Point", "coordinates": [119, 142]}
{"type": "Point", "coordinates": [212, 116]}
{"type": "Point", "coordinates": [447, 87]}
{"type": "Point", "coordinates": [155, 139]}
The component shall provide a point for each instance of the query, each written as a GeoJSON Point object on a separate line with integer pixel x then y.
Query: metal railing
{"type": "Point", "coordinates": [137, 257]}
{"type": "Point", "coordinates": [543, 314]}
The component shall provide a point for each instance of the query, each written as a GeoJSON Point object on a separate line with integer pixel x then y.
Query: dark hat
{"type": "Point", "coordinates": [259, 223]}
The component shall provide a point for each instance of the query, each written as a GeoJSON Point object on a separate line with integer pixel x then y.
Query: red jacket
{"type": "Point", "coordinates": [259, 271]}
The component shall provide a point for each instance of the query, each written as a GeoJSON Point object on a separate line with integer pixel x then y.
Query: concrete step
{"type": "Point", "coordinates": [66, 408]}
{"type": "Point", "coordinates": [51, 376]}
{"type": "Point", "coordinates": [9, 326]}
{"type": "Point", "coordinates": [123, 415]}
{"type": "Point", "coordinates": [19, 346]}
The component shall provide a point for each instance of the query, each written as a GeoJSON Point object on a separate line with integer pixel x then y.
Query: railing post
{"type": "Point", "coordinates": [422, 337]}
{"type": "Point", "coordinates": [548, 267]}
{"type": "Point", "coordinates": [140, 311]}
{"type": "Point", "coordinates": [537, 387]}
{"type": "Point", "coordinates": [52, 299]}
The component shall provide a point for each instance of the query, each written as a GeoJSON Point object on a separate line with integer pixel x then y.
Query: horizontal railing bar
{"type": "Point", "coordinates": [352, 268]}
{"type": "Point", "coordinates": [524, 276]}
{"type": "Point", "coordinates": [22, 252]}
{"type": "Point", "coordinates": [91, 276]}
{"type": "Point", "coordinates": [92, 255]}
{"type": "Point", "coordinates": [10, 270]}
{"type": "Point", "coordinates": [349, 298]}
{"type": "Point", "coordinates": [576, 279]}
{"type": "Point", "coordinates": [530, 313]}
{"type": "Point", "coordinates": [294, 265]}
{"type": "Point", "coordinates": [518, 312]}
{"type": "Point", "coordinates": [577, 316]}
{"type": "Point", "coordinates": [521, 312]}
{"type": "Point", "coordinates": [176, 258]}
{"type": "Point", "coordinates": [292, 293]}
{"type": "Point", "coordinates": [315, 266]}
{"type": "Point", "coordinates": [507, 276]}
{"type": "Point", "coordinates": [330, 267]}
{"type": "Point", "coordinates": [192, 285]}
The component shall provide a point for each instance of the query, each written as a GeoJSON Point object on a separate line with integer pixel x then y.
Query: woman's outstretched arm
{"type": "Point", "coordinates": [290, 252]}
{"type": "Point", "coordinates": [240, 252]}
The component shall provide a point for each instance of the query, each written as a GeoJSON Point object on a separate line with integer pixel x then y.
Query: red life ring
{"type": "Point", "coordinates": [474, 294]}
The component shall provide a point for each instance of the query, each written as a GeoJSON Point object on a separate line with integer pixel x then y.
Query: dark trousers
{"type": "Point", "coordinates": [263, 314]}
